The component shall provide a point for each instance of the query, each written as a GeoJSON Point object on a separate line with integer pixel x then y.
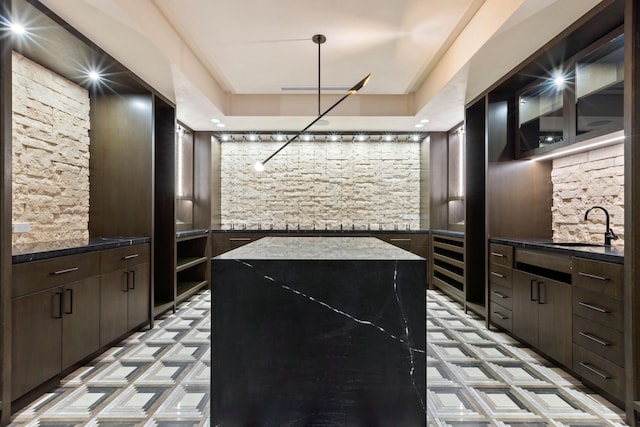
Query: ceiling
{"type": "Point", "coordinates": [229, 60]}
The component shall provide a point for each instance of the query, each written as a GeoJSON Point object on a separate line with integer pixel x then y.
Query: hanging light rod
{"type": "Point", "coordinates": [259, 166]}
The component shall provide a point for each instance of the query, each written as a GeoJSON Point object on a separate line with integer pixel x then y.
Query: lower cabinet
{"type": "Point", "coordinates": [55, 324]}
{"type": "Point", "coordinates": [125, 291]}
{"type": "Point", "coordinates": [65, 309]}
{"type": "Point", "coordinates": [542, 314]}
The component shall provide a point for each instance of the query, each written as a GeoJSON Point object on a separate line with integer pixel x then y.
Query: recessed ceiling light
{"type": "Point", "coordinates": [17, 28]}
{"type": "Point", "coordinates": [424, 121]}
{"type": "Point", "coordinates": [221, 125]}
{"type": "Point", "coordinates": [419, 125]}
{"type": "Point", "coordinates": [215, 120]}
{"type": "Point", "coordinates": [94, 75]}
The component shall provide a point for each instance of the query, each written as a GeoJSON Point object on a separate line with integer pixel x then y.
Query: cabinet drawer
{"type": "Point", "coordinates": [34, 276]}
{"type": "Point", "coordinates": [599, 339]}
{"type": "Point", "coordinates": [501, 254]}
{"type": "Point", "coordinates": [115, 259]}
{"type": "Point", "coordinates": [604, 277]}
{"type": "Point", "coordinates": [500, 275]}
{"type": "Point", "coordinates": [501, 316]}
{"type": "Point", "coordinates": [501, 295]}
{"type": "Point", "coordinates": [598, 308]}
{"type": "Point", "coordinates": [602, 373]}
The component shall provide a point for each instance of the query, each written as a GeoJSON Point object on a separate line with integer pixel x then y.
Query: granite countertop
{"type": "Point", "coordinates": [345, 231]}
{"type": "Point", "coordinates": [598, 253]}
{"type": "Point", "coordinates": [319, 248]}
{"type": "Point", "coordinates": [44, 250]}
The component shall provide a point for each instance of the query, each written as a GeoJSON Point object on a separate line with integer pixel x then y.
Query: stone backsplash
{"type": "Point", "coordinates": [584, 180]}
{"type": "Point", "coordinates": [322, 185]}
{"type": "Point", "coordinates": [50, 154]}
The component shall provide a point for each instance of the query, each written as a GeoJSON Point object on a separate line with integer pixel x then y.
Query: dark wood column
{"type": "Point", "coordinates": [5, 219]}
{"type": "Point", "coordinates": [632, 207]}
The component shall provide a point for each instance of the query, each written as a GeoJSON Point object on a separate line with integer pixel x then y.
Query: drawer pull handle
{"type": "Point", "coordinates": [593, 307]}
{"type": "Point", "coordinates": [130, 256]}
{"type": "Point", "coordinates": [595, 339]}
{"type": "Point", "coordinates": [399, 240]}
{"type": "Point", "coordinates": [240, 239]}
{"type": "Point", "coordinates": [499, 294]}
{"type": "Point", "coordinates": [595, 371]}
{"type": "Point", "coordinates": [498, 254]}
{"type": "Point", "coordinates": [493, 273]}
{"type": "Point", "coordinates": [66, 270]}
{"type": "Point", "coordinates": [593, 276]}
{"type": "Point", "coordinates": [500, 315]}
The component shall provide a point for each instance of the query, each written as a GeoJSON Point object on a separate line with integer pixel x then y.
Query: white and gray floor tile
{"type": "Point", "coordinates": [475, 377]}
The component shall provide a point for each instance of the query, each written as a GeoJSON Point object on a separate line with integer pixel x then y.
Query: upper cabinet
{"type": "Point", "coordinates": [599, 88]}
{"type": "Point", "coordinates": [580, 99]}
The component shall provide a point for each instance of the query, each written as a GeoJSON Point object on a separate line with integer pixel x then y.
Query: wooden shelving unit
{"type": "Point", "coordinates": [448, 266]}
{"type": "Point", "coordinates": [193, 263]}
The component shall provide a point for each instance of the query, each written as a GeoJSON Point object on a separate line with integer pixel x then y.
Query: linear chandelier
{"type": "Point", "coordinates": [318, 39]}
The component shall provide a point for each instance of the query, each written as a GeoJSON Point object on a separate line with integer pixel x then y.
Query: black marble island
{"type": "Point", "coordinates": [319, 331]}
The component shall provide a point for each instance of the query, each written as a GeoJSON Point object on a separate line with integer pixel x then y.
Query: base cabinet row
{"type": "Point", "coordinates": [67, 308]}
{"type": "Point", "coordinates": [568, 308]}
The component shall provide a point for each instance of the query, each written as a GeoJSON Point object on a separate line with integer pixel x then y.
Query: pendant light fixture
{"type": "Point", "coordinates": [318, 39]}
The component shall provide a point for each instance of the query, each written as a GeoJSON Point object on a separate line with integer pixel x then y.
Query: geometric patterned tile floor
{"type": "Point", "coordinates": [480, 377]}
{"type": "Point", "coordinates": [475, 377]}
{"type": "Point", "coordinates": [158, 377]}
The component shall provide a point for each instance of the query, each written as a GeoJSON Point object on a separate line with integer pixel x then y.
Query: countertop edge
{"type": "Point", "coordinates": [319, 231]}
{"type": "Point", "coordinates": [606, 254]}
{"type": "Point", "coordinates": [94, 244]}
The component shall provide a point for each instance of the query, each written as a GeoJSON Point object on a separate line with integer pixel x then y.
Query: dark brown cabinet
{"type": "Point", "coordinates": [598, 324]}
{"type": "Point", "coordinates": [55, 316]}
{"type": "Point", "coordinates": [125, 291]}
{"type": "Point", "coordinates": [541, 301]}
{"type": "Point", "coordinates": [501, 286]}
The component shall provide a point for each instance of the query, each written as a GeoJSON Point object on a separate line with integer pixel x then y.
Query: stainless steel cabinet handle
{"type": "Point", "coordinates": [593, 307]}
{"type": "Point", "coordinates": [499, 255]}
{"type": "Point", "coordinates": [239, 239]}
{"type": "Point", "coordinates": [593, 276]}
{"type": "Point", "coordinates": [595, 371]}
{"type": "Point", "coordinates": [595, 339]}
{"type": "Point", "coordinates": [499, 294]}
{"type": "Point", "coordinates": [500, 315]}
{"type": "Point", "coordinates": [130, 256]}
{"type": "Point", "coordinates": [493, 273]}
{"type": "Point", "coordinates": [399, 240]}
{"type": "Point", "coordinates": [66, 270]}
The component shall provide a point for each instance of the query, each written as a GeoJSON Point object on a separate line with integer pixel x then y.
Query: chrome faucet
{"type": "Point", "coordinates": [609, 235]}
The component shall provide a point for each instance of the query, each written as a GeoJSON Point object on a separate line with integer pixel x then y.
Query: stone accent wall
{"type": "Point", "coordinates": [321, 185]}
{"type": "Point", "coordinates": [50, 154]}
{"type": "Point", "coordinates": [584, 180]}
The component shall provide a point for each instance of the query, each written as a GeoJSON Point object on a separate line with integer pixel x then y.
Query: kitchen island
{"type": "Point", "coordinates": [319, 331]}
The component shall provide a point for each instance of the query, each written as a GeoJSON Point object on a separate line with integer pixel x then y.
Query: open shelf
{"type": "Point", "coordinates": [193, 263]}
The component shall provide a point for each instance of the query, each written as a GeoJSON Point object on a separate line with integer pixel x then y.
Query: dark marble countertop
{"type": "Point", "coordinates": [345, 231]}
{"type": "Point", "coordinates": [189, 233]}
{"type": "Point", "coordinates": [43, 250]}
{"type": "Point", "coordinates": [448, 233]}
{"type": "Point", "coordinates": [319, 248]}
{"type": "Point", "coordinates": [598, 253]}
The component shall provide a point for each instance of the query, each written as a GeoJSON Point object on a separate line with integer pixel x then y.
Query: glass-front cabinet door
{"type": "Point", "coordinates": [541, 116]}
{"type": "Point", "coordinates": [581, 100]}
{"type": "Point", "coordinates": [600, 89]}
